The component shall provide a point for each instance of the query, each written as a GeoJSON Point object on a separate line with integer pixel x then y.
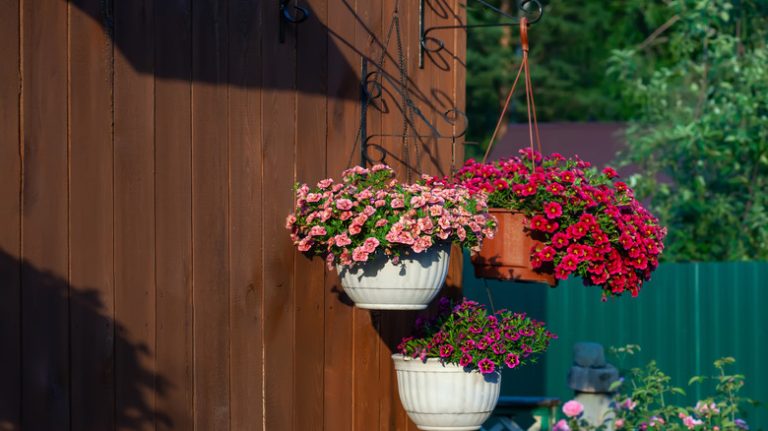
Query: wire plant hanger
{"type": "Point", "coordinates": [533, 124]}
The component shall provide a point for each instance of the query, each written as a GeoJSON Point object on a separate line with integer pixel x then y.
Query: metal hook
{"type": "Point", "coordinates": [291, 15]}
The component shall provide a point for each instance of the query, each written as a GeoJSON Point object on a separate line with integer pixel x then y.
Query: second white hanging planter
{"type": "Point", "coordinates": [440, 396]}
{"type": "Point", "coordinates": [411, 284]}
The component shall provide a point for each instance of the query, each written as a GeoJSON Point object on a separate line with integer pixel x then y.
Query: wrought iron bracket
{"type": "Point", "coordinates": [370, 91]}
{"type": "Point", "coordinates": [290, 14]}
{"type": "Point", "coordinates": [530, 9]}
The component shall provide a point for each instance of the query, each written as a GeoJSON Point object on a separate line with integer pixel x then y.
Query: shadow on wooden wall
{"type": "Point", "coordinates": [70, 373]}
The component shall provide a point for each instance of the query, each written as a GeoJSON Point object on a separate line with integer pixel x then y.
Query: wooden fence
{"type": "Point", "coordinates": [147, 155]}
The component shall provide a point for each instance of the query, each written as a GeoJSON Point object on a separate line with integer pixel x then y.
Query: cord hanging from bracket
{"type": "Point", "coordinates": [532, 11]}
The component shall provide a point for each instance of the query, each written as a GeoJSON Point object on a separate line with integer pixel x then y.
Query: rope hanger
{"type": "Point", "coordinates": [533, 125]}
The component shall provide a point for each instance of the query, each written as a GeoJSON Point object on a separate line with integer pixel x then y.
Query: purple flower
{"type": "Point", "coordinates": [486, 366]}
{"type": "Point", "coordinates": [741, 424]}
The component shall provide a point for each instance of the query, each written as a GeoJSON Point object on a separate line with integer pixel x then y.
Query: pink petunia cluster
{"type": "Point", "coordinates": [469, 336]}
{"type": "Point", "coordinates": [591, 225]}
{"type": "Point", "coordinates": [369, 212]}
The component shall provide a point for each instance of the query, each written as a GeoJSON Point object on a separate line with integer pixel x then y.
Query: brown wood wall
{"type": "Point", "coordinates": [147, 155]}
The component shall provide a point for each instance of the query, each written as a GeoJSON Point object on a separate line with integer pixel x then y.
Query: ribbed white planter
{"type": "Point", "coordinates": [445, 397]}
{"type": "Point", "coordinates": [410, 285]}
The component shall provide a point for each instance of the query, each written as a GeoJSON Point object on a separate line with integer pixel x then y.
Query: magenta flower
{"type": "Point", "coordinates": [446, 351]}
{"type": "Point", "coordinates": [561, 425]}
{"type": "Point", "coordinates": [466, 360]}
{"type": "Point", "coordinates": [512, 360]}
{"type": "Point", "coordinates": [486, 366]}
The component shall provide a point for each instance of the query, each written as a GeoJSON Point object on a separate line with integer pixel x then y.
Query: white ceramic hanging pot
{"type": "Point", "coordinates": [411, 284]}
{"type": "Point", "coordinates": [445, 397]}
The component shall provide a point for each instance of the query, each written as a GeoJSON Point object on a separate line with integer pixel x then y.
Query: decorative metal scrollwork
{"type": "Point", "coordinates": [530, 9]}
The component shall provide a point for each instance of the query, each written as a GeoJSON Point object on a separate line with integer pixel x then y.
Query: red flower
{"type": "Point", "coordinates": [553, 210]}
{"type": "Point", "coordinates": [567, 177]}
{"type": "Point", "coordinates": [577, 230]}
{"type": "Point", "coordinates": [560, 240]}
{"type": "Point", "coordinates": [547, 254]}
{"type": "Point", "coordinates": [501, 184]}
{"type": "Point", "coordinates": [552, 226]}
{"type": "Point", "coordinates": [539, 223]}
{"type": "Point", "coordinates": [610, 172]}
{"type": "Point", "coordinates": [555, 188]}
{"type": "Point", "coordinates": [561, 273]}
{"type": "Point", "coordinates": [529, 189]}
{"type": "Point", "coordinates": [569, 262]}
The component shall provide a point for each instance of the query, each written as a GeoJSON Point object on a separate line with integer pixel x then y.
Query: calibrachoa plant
{"type": "Point", "coordinates": [590, 224]}
{"type": "Point", "coordinates": [647, 404]}
{"type": "Point", "coordinates": [369, 211]}
{"type": "Point", "coordinates": [468, 336]}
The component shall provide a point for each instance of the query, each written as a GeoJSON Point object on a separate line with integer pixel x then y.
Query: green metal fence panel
{"type": "Point", "coordinates": [685, 318]}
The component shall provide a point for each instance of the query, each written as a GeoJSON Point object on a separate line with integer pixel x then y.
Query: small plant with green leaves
{"type": "Point", "coordinates": [647, 401]}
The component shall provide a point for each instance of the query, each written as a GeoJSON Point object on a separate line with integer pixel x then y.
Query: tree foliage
{"type": "Point", "coordinates": [570, 47]}
{"type": "Point", "coordinates": [700, 132]}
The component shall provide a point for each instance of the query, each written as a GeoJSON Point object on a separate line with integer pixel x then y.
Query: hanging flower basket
{"type": "Point", "coordinates": [449, 373]}
{"type": "Point", "coordinates": [410, 284]}
{"type": "Point", "coordinates": [507, 256]}
{"type": "Point", "coordinates": [579, 221]}
{"type": "Point", "coordinates": [389, 241]}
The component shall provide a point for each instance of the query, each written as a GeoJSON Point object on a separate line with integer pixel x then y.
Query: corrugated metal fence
{"type": "Point", "coordinates": [686, 317]}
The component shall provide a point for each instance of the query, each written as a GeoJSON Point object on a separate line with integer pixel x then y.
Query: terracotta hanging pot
{"type": "Point", "coordinates": [508, 255]}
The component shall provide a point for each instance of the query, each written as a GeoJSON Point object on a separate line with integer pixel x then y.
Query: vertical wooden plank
{"type": "Point", "coordinates": [210, 208]}
{"type": "Point", "coordinates": [134, 212]}
{"type": "Point", "coordinates": [245, 206]}
{"type": "Point", "coordinates": [311, 80]}
{"type": "Point", "coordinates": [343, 121]}
{"type": "Point", "coordinates": [10, 216]}
{"type": "Point", "coordinates": [90, 217]}
{"type": "Point", "coordinates": [366, 341]}
{"type": "Point", "coordinates": [173, 212]}
{"type": "Point", "coordinates": [45, 318]}
{"type": "Point", "coordinates": [279, 147]}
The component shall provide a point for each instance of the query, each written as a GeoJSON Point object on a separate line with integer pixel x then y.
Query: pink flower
{"type": "Point", "coordinates": [425, 224]}
{"type": "Point", "coordinates": [418, 201]}
{"type": "Point", "coordinates": [381, 222]}
{"type": "Point", "coordinates": [435, 210]}
{"type": "Point", "coordinates": [486, 366]}
{"type": "Point", "coordinates": [422, 244]}
{"type": "Point", "coordinates": [305, 244]}
{"type": "Point", "coordinates": [314, 197]}
{"type": "Point", "coordinates": [290, 221]}
{"type": "Point", "coordinates": [346, 215]}
{"type": "Point", "coordinates": [359, 255]}
{"type": "Point", "coordinates": [619, 423]}
{"type": "Point", "coordinates": [341, 240]}
{"type": "Point", "coordinates": [628, 404]}
{"type": "Point", "coordinates": [561, 425]}
{"type": "Point", "coordinates": [379, 203]}
{"type": "Point", "coordinates": [690, 422]}
{"type": "Point", "coordinates": [324, 184]}
{"type": "Point", "coordinates": [397, 203]}
{"type": "Point", "coordinates": [369, 211]}
{"type": "Point", "coordinates": [354, 229]}
{"type": "Point", "coordinates": [573, 408]}
{"type": "Point", "coordinates": [343, 204]}
{"type": "Point", "coordinates": [370, 245]}
{"type": "Point", "coordinates": [317, 231]}
{"type": "Point", "coordinates": [553, 210]}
